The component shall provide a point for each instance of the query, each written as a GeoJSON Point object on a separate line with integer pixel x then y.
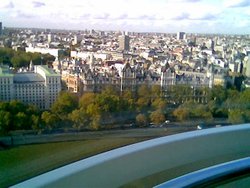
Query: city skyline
{"type": "Point", "coordinates": [191, 16]}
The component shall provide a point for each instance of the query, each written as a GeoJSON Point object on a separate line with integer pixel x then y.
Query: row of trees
{"type": "Point", "coordinates": [20, 58]}
{"type": "Point", "coordinates": [104, 110]}
{"type": "Point", "coordinates": [100, 110]}
{"type": "Point", "coordinates": [229, 103]}
{"type": "Point", "coordinates": [15, 115]}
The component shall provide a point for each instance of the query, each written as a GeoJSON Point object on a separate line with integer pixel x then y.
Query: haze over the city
{"type": "Point", "coordinates": [199, 16]}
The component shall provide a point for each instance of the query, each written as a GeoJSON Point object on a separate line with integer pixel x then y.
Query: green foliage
{"type": "Point", "coordinates": [236, 116]}
{"type": "Point", "coordinates": [5, 122]}
{"type": "Point", "coordinates": [16, 115]}
{"type": "Point", "coordinates": [181, 114]}
{"type": "Point", "coordinates": [102, 110]}
{"type": "Point", "coordinates": [239, 107]}
{"type": "Point", "coordinates": [49, 119]}
{"type": "Point", "coordinates": [80, 118]}
{"type": "Point", "coordinates": [157, 117]}
{"type": "Point", "coordinates": [86, 99]}
{"type": "Point", "coordinates": [65, 104]}
{"type": "Point", "coordinates": [141, 120]}
{"type": "Point", "coordinates": [159, 103]}
{"type": "Point", "coordinates": [5, 55]}
{"type": "Point", "coordinates": [179, 94]}
{"type": "Point", "coordinates": [20, 58]}
{"type": "Point", "coordinates": [192, 110]}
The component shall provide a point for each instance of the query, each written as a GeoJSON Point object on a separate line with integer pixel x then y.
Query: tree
{"type": "Point", "coordinates": [157, 117]}
{"type": "Point", "coordinates": [96, 122]}
{"type": "Point", "coordinates": [127, 101]}
{"type": "Point", "coordinates": [141, 120]}
{"type": "Point", "coordinates": [142, 103]}
{"type": "Point", "coordinates": [236, 116]}
{"type": "Point", "coordinates": [144, 91]}
{"type": "Point", "coordinates": [20, 121]}
{"type": "Point", "coordinates": [35, 122]}
{"type": "Point", "coordinates": [181, 114]}
{"type": "Point", "coordinates": [159, 103]}
{"type": "Point", "coordinates": [79, 117]}
{"type": "Point", "coordinates": [20, 59]}
{"type": "Point", "coordinates": [156, 91]}
{"type": "Point", "coordinates": [86, 99]}
{"type": "Point", "coordinates": [49, 119]}
{"type": "Point", "coordinates": [5, 122]}
{"type": "Point", "coordinates": [65, 104]}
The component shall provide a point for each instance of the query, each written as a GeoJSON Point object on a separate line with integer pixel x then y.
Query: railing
{"type": "Point", "coordinates": [152, 162]}
{"type": "Point", "coordinates": [222, 174]}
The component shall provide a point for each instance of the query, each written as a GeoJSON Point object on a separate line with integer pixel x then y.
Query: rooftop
{"type": "Point", "coordinates": [48, 71]}
{"type": "Point", "coordinates": [27, 77]}
{"type": "Point", "coordinates": [4, 71]}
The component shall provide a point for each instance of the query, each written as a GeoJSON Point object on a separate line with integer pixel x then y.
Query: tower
{"type": "Point", "coordinates": [248, 67]}
{"type": "Point", "coordinates": [211, 76]}
{"type": "Point", "coordinates": [91, 61]}
{"type": "Point", "coordinates": [1, 28]}
{"type": "Point", "coordinates": [50, 38]}
{"type": "Point", "coordinates": [124, 42]}
{"type": "Point", "coordinates": [181, 35]}
{"type": "Point", "coordinates": [31, 66]}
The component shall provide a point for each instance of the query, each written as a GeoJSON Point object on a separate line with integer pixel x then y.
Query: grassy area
{"type": "Point", "coordinates": [23, 162]}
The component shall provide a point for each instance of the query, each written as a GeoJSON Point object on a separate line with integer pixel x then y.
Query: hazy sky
{"type": "Point", "coordinates": [201, 16]}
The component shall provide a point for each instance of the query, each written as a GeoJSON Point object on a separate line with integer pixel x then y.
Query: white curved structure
{"type": "Point", "coordinates": [165, 157]}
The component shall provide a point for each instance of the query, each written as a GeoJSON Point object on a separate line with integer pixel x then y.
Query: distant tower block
{"type": "Point", "coordinates": [1, 28]}
{"type": "Point", "coordinates": [248, 67]}
{"type": "Point", "coordinates": [181, 35]}
{"type": "Point", "coordinates": [124, 42]}
{"type": "Point", "coordinates": [50, 38]}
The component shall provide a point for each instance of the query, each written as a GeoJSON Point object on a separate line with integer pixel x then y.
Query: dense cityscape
{"type": "Point", "coordinates": [124, 93]}
{"type": "Point", "coordinates": [37, 64]}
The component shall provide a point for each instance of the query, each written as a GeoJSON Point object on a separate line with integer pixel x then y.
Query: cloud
{"type": "Point", "coordinates": [203, 17]}
{"type": "Point", "coordinates": [189, 1]}
{"type": "Point", "coordinates": [182, 16]}
{"type": "Point", "coordinates": [236, 3]}
{"type": "Point", "coordinates": [101, 16]}
{"type": "Point", "coordinates": [19, 14]}
{"type": "Point", "coordinates": [38, 4]}
{"type": "Point", "coordinates": [10, 5]}
{"type": "Point", "coordinates": [194, 16]}
{"type": "Point", "coordinates": [6, 4]}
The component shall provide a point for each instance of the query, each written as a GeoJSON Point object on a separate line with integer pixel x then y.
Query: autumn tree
{"type": "Point", "coordinates": [141, 120]}
{"type": "Point", "coordinates": [86, 99]}
{"type": "Point", "coordinates": [80, 118]}
{"type": "Point", "coordinates": [181, 114]}
{"type": "Point", "coordinates": [49, 119]}
{"type": "Point", "coordinates": [157, 117]}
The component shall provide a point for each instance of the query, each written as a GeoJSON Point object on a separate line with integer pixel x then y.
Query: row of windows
{"type": "Point", "coordinates": [5, 81]}
{"type": "Point", "coordinates": [54, 80]}
{"type": "Point", "coordinates": [30, 86]}
{"type": "Point", "coordinates": [5, 97]}
{"type": "Point", "coordinates": [4, 87]}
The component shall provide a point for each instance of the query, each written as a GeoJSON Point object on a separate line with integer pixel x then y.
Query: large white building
{"type": "Point", "coordinates": [39, 86]}
{"type": "Point", "coordinates": [52, 51]}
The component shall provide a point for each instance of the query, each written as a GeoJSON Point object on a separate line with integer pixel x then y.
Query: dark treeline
{"type": "Point", "coordinates": [21, 58]}
{"type": "Point", "coordinates": [105, 110]}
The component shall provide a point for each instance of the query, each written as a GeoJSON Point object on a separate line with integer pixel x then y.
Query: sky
{"type": "Point", "coordinates": [166, 16]}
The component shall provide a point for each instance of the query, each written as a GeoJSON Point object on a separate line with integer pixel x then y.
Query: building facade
{"type": "Point", "coordinates": [39, 86]}
{"type": "Point", "coordinates": [124, 43]}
